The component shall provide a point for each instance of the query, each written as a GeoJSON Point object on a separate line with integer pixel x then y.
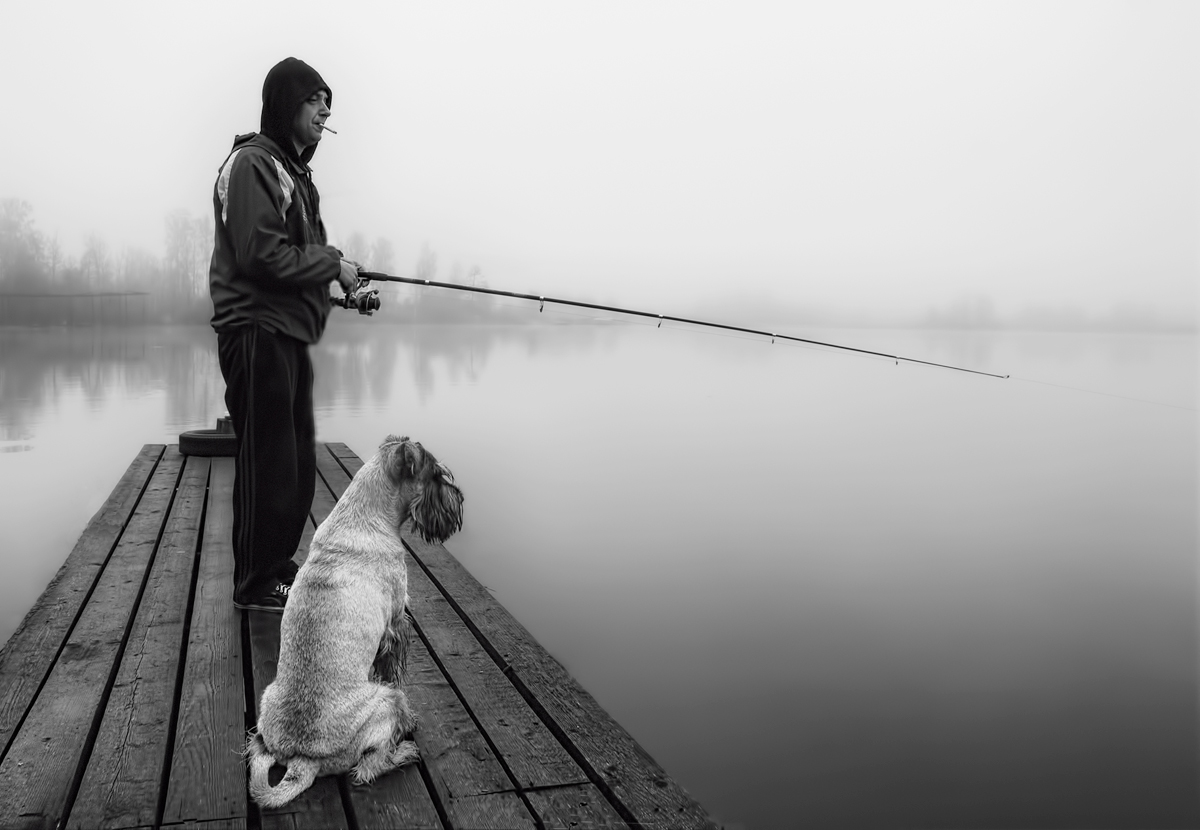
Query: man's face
{"type": "Point", "coordinates": [306, 128]}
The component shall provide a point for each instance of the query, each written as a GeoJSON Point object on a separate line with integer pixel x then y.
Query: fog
{"type": "Point", "coordinates": [945, 162]}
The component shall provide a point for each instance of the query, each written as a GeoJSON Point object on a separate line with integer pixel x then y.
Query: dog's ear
{"type": "Point", "coordinates": [437, 513]}
{"type": "Point", "coordinates": [405, 458]}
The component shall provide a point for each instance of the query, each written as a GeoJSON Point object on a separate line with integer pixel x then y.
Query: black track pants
{"type": "Point", "coordinates": [268, 390]}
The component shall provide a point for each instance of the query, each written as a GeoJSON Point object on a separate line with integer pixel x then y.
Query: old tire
{"type": "Point", "coordinates": [209, 443]}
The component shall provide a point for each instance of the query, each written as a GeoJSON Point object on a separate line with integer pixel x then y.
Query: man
{"type": "Point", "coordinates": [269, 278]}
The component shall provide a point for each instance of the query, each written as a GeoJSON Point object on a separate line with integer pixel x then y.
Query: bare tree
{"type": "Point", "coordinates": [357, 249]}
{"type": "Point", "coordinates": [177, 259]}
{"type": "Point", "coordinates": [202, 248]}
{"type": "Point", "coordinates": [426, 263]}
{"type": "Point", "coordinates": [54, 258]}
{"type": "Point", "coordinates": [383, 256]}
{"type": "Point", "coordinates": [96, 264]}
{"type": "Point", "coordinates": [189, 250]}
{"type": "Point", "coordinates": [138, 270]}
{"type": "Point", "coordinates": [21, 245]}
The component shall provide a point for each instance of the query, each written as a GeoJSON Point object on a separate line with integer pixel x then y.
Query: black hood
{"type": "Point", "coordinates": [288, 85]}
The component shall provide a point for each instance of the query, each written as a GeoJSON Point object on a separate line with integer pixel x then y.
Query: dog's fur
{"type": "Point", "coordinates": [336, 704]}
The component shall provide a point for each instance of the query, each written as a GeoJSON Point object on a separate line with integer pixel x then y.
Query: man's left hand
{"type": "Point", "coordinates": [348, 276]}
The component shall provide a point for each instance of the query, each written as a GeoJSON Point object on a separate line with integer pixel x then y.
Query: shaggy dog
{"type": "Point", "coordinates": [336, 704]}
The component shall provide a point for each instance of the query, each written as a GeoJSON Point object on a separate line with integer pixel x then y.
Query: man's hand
{"type": "Point", "coordinates": [348, 277]}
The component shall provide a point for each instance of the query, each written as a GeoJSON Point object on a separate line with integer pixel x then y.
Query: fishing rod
{"type": "Point", "coordinates": [367, 301]}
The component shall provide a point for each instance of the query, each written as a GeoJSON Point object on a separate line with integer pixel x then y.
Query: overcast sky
{"type": "Point", "coordinates": [876, 155]}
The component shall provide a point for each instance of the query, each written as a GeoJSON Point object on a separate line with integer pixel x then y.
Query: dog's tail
{"type": "Point", "coordinates": [301, 772]}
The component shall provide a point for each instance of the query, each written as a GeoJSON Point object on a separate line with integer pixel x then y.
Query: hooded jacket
{"type": "Point", "coordinates": [271, 265]}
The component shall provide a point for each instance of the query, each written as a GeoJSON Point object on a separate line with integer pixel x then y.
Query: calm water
{"type": "Point", "coordinates": [820, 589]}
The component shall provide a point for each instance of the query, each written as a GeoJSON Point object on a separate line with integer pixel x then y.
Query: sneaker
{"type": "Point", "coordinates": [273, 602]}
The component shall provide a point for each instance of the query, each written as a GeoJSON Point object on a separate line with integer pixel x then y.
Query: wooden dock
{"type": "Point", "coordinates": [126, 693]}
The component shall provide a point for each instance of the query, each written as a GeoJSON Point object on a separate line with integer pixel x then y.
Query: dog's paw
{"type": "Point", "coordinates": [373, 764]}
{"type": "Point", "coordinates": [363, 774]}
{"type": "Point", "coordinates": [405, 752]}
{"type": "Point", "coordinates": [408, 725]}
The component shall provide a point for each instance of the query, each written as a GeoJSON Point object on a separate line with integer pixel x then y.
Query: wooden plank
{"type": "Point", "coordinates": [40, 766]}
{"type": "Point", "coordinates": [323, 500]}
{"type": "Point", "coordinates": [339, 450]}
{"type": "Point", "coordinates": [579, 805]}
{"type": "Point", "coordinates": [216, 824]}
{"type": "Point", "coordinates": [397, 799]}
{"type": "Point", "coordinates": [493, 811]}
{"type": "Point", "coordinates": [612, 758]}
{"type": "Point", "coordinates": [332, 472]}
{"type": "Point", "coordinates": [30, 652]}
{"type": "Point", "coordinates": [533, 755]}
{"type": "Point", "coordinates": [305, 540]}
{"type": "Point", "coordinates": [320, 806]}
{"type": "Point", "coordinates": [469, 781]}
{"type": "Point", "coordinates": [206, 786]}
{"type": "Point", "coordinates": [125, 772]}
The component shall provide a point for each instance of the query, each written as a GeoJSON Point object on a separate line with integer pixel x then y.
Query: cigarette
{"type": "Point", "coordinates": [329, 129]}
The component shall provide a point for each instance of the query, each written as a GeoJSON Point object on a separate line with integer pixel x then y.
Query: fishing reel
{"type": "Point", "coordinates": [366, 300]}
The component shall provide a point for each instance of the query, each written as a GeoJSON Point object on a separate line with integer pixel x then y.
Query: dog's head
{"type": "Point", "coordinates": [426, 486]}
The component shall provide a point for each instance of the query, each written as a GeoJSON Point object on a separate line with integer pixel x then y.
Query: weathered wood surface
{"type": "Point", "coordinates": [207, 781]}
{"type": "Point", "coordinates": [126, 693]}
{"type": "Point", "coordinates": [613, 759]}
{"type": "Point", "coordinates": [121, 783]}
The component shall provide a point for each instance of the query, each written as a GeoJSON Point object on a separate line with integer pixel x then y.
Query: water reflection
{"type": "Point", "coordinates": [821, 590]}
{"type": "Point", "coordinates": [39, 366]}
{"type": "Point", "coordinates": [356, 364]}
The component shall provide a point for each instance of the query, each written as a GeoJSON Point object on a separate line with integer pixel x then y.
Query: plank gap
{"type": "Point", "coordinates": [541, 788]}
{"type": "Point", "coordinates": [427, 777]}
{"type": "Point", "coordinates": [253, 816]}
{"type": "Point", "coordinates": [343, 785]}
{"type": "Point", "coordinates": [173, 723]}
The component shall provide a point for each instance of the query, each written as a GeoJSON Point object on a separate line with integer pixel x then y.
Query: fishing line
{"type": "Point", "coordinates": [367, 276]}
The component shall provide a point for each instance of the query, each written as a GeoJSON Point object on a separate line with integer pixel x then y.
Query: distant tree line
{"type": "Point", "coordinates": [174, 286]}
{"type": "Point", "coordinates": [41, 285]}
